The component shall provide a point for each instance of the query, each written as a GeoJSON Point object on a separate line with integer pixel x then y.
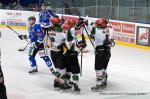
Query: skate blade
{"type": "Point", "coordinates": [77, 92]}
{"type": "Point", "coordinates": [34, 73]}
{"type": "Point", "coordinates": [57, 88]}
{"type": "Point", "coordinates": [20, 50]}
{"type": "Point", "coordinates": [99, 90]}
{"type": "Point", "coordinates": [64, 90]}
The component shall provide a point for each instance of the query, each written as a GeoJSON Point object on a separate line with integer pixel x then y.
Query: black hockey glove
{"type": "Point", "coordinates": [81, 23]}
{"type": "Point", "coordinates": [39, 45]}
{"type": "Point", "coordinates": [109, 42]}
{"type": "Point", "coordinates": [23, 37]}
{"type": "Point", "coordinates": [81, 44]}
{"type": "Point", "coordinates": [92, 36]}
{"type": "Point", "coordinates": [52, 39]}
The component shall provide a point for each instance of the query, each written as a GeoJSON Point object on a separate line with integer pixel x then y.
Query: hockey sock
{"type": "Point", "coordinates": [62, 76]}
{"type": "Point", "coordinates": [99, 76]}
{"type": "Point", "coordinates": [32, 61]}
{"type": "Point", "coordinates": [75, 78]}
{"type": "Point", "coordinates": [47, 61]}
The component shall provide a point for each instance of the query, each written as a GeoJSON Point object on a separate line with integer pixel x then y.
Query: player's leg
{"type": "Point", "coordinates": [62, 70]}
{"type": "Point", "coordinates": [99, 67]}
{"type": "Point", "coordinates": [32, 54]}
{"type": "Point", "coordinates": [75, 69]}
{"type": "Point", "coordinates": [105, 75]}
{"type": "Point", "coordinates": [68, 70]}
{"type": "Point", "coordinates": [3, 94]}
{"type": "Point", "coordinates": [57, 73]}
{"type": "Point", "coordinates": [47, 60]}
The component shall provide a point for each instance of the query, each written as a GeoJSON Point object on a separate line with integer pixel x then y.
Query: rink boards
{"type": "Point", "coordinates": [126, 33]}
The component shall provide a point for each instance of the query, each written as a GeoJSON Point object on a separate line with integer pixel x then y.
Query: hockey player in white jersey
{"type": "Point", "coordinates": [58, 37]}
{"type": "Point", "coordinates": [103, 37]}
{"type": "Point", "coordinates": [71, 56]}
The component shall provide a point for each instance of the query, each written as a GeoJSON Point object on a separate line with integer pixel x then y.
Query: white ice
{"type": "Point", "coordinates": [129, 72]}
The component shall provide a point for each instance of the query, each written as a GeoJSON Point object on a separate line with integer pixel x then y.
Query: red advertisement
{"type": "Point", "coordinates": [67, 17]}
{"type": "Point", "coordinates": [116, 26]}
{"type": "Point", "coordinates": [128, 28]}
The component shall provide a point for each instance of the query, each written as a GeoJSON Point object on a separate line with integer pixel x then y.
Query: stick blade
{"type": "Point", "coordinates": [21, 49]}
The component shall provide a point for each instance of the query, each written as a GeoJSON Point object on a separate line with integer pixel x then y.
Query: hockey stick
{"type": "Point", "coordinates": [84, 26]}
{"type": "Point", "coordinates": [84, 41]}
{"type": "Point", "coordinates": [18, 35]}
{"type": "Point", "coordinates": [23, 49]}
{"type": "Point", "coordinates": [81, 62]}
{"type": "Point", "coordinates": [12, 30]}
{"type": "Point", "coordinates": [62, 5]}
{"type": "Point", "coordinates": [15, 32]}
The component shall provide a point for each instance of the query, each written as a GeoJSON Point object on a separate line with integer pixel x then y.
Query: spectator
{"type": "Point", "coordinates": [13, 4]}
{"type": "Point", "coordinates": [24, 2]}
{"type": "Point", "coordinates": [0, 4]}
{"type": "Point", "coordinates": [41, 2]}
{"type": "Point", "coordinates": [5, 4]}
{"type": "Point", "coordinates": [49, 6]}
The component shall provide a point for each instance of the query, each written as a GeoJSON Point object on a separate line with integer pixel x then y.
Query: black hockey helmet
{"type": "Point", "coordinates": [31, 18]}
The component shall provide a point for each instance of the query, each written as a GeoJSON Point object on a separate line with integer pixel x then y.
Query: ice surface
{"type": "Point", "coordinates": [128, 70]}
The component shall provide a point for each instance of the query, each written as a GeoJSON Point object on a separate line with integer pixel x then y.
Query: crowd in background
{"type": "Point", "coordinates": [21, 4]}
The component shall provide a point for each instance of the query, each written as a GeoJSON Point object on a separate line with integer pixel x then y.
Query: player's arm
{"type": "Point", "coordinates": [40, 37]}
{"type": "Point", "coordinates": [40, 17]}
{"type": "Point", "coordinates": [63, 39]}
{"type": "Point", "coordinates": [72, 38]}
{"type": "Point", "coordinates": [52, 13]}
{"type": "Point", "coordinates": [111, 33]}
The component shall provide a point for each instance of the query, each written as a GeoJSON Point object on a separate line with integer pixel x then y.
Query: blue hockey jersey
{"type": "Point", "coordinates": [35, 33]}
{"type": "Point", "coordinates": [44, 17]}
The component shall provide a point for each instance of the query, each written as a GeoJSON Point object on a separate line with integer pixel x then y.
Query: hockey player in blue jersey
{"type": "Point", "coordinates": [44, 18]}
{"type": "Point", "coordinates": [36, 37]}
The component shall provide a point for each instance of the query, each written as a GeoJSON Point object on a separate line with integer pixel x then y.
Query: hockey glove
{"type": "Point", "coordinates": [109, 43]}
{"type": "Point", "coordinates": [23, 37]}
{"type": "Point", "coordinates": [81, 44]}
{"type": "Point", "coordinates": [92, 36]}
{"type": "Point", "coordinates": [39, 45]}
{"type": "Point", "coordinates": [81, 23]}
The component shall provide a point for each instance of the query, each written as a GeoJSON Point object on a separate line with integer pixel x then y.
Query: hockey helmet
{"type": "Point", "coordinates": [65, 26]}
{"type": "Point", "coordinates": [71, 22]}
{"type": "Point", "coordinates": [31, 18]}
{"type": "Point", "coordinates": [101, 22]}
{"type": "Point", "coordinates": [55, 20]}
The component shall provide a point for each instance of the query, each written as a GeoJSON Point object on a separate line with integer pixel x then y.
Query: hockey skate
{"type": "Point", "coordinates": [56, 84]}
{"type": "Point", "coordinates": [65, 86]}
{"type": "Point", "coordinates": [104, 85]}
{"type": "Point", "coordinates": [76, 89]}
{"type": "Point", "coordinates": [33, 70]}
{"type": "Point", "coordinates": [96, 88]}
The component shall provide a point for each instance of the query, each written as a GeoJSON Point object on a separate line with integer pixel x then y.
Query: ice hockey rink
{"type": "Point", "coordinates": [128, 70]}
